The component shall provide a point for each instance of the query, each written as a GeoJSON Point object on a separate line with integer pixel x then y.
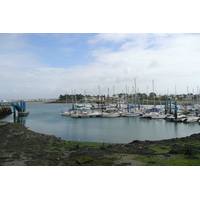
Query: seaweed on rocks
{"type": "Point", "coordinates": [23, 147]}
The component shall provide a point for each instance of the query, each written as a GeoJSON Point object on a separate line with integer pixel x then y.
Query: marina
{"type": "Point", "coordinates": [47, 118]}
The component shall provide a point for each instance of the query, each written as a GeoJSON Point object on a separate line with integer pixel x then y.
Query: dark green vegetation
{"type": "Point", "coordinates": [62, 98]}
{"type": "Point", "coordinates": [143, 97]}
{"type": "Point", "coordinates": [20, 146]}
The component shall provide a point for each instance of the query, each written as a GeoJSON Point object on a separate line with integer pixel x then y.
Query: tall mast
{"type": "Point", "coordinates": [99, 92]}
{"type": "Point", "coordinates": [132, 95]}
{"type": "Point", "coordinates": [108, 95]}
{"type": "Point", "coordinates": [126, 94]}
{"type": "Point", "coordinates": [147, 96]}
{"type": "Point", "coordinates": [72, 99]}
{"type": "Point", "coordinates": [135, 91]}
{"type": "Point", "coordinates": [84, 96]}
{"type": "Point", "coordinates": [175, 93]}
{"type": "Point", "coordinates": [153, 93]}
{"type": "Point", "coordinates": [193, 95]}
{"type": "Point", "coordinates": [75, 96]}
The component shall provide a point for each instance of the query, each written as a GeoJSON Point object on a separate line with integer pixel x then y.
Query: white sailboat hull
{"type": "Point", "coordinates": [74, 115]}
{"type": "Point", "coordinates": [159, 116]}
{"type": "Point", "coordinates": [66, 113]}
{"type": "Point", "coordinates": [130, 114]}
{"type": "Point", "coordinates": [111, 115]}
{"type": "Point", "coordinates": [191, 119]}
{"type": "Point", "coordinates": [150, 115]}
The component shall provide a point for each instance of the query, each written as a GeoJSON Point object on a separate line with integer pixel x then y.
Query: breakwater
{"type": "Point", "coordinates": [5, 110]}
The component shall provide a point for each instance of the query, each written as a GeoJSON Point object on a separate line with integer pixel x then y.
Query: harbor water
{"type": "Point", "coordinates": [46, 118]}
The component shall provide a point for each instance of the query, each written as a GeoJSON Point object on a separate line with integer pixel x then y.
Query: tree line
{"type": "Point", "coordinates": [128, 97]}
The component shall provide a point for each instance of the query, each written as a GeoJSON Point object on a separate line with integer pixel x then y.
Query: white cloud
{"type": "Point", "coordinates": [110, 37]}
{"type": "Point", "coordinates": [168, 59]}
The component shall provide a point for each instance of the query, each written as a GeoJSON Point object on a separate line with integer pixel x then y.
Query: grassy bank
{"type": "Point", "coordinates": [23, 147]}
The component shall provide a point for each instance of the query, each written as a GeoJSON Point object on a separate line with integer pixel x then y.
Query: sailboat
{"type": "Point", "coordinates": [110, 114]}
{"type": "Point", "coordinates": [149, 113]}
{"type": "Point", "coordinates": [67, 112]}
{"type": "Point", "coordinates": [191, 118]}
{"type": "Point", "coordinates": [131, 114]}
{"type": "Point", "coordinates": [159, 115]}
{"type": "Point", "coordinates": [135, 111]}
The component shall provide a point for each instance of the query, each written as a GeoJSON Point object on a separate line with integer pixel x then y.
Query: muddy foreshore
{"type": "Point", "coordinates": [20, 146]}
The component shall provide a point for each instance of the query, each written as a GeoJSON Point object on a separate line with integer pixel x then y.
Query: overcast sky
{"type": "Point", "coordinates": [47, 65]}
{"type": "Point", "coordinates": [78, 48]}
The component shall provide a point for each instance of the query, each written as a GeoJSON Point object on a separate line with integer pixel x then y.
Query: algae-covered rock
{"type": "Point", "coordinates": [3, 123]}
{"type": "Point", "coordinates": [84, 160]}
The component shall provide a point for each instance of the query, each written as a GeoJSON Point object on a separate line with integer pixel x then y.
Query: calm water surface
{"type": "Point", "coordinates": [47, 119]}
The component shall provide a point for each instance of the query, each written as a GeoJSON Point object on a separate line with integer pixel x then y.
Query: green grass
{"type": "Point", "coordinates": [173, 160]}
{"type": "Point", "coordinates": [114, 156]}
{"type": "Point", "coordinates": [160, 149]}
{"type": "Point", "coordinates": [193, 143]}
{"type": "Point", "coordinates": [83, 144]}
{"type": "Point", "coordinates": [169, 159]}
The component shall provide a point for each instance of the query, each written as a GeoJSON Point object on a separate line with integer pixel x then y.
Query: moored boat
{"type": "Point", "coordinates": [80, 114]}
{"type": "Point", "coordinates": [74, 115]}
{"type": "Point", "coordinates": [23, 113]}
{"type": "Point", "coordinates": [179, 118]}
{"type": "Point", "coordinates": [160, 115]}
{"type": "Point", "coordinates": [111, 114]}
{"type": "Point", "coordinates": [94, 114]}
{"type": "Point", "coordinates": [191, 118]}
{"type": "Point", "coordinates": [130, 114]}
{"type": "Point", "coordinates": [149, 115]}
{"type": "Point", "coordinates": [67, 113]}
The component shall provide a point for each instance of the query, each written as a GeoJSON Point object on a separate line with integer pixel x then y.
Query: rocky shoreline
{"type": "Point", "coordinates": [20, 146]}
{"type": "Point", "coordinates": [5, 110]}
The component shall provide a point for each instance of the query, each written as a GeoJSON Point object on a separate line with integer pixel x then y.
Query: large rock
{"type": "Point", "coordinates": [84, 160]}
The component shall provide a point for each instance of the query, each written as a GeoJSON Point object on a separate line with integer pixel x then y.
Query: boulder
{"type": "Point", "coordinates": [173, 151]}
{"type": "Point", "coordinates": [84, 160]}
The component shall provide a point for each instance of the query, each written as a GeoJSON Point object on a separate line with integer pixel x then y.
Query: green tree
{"type": "Point", "coordinates": [152, 95]}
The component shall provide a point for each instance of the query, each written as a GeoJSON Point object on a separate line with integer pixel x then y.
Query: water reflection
{"type": "Point", "coordinates": [175, 128]}
{"type": "Point", "coordinates": [20, 120]}
{"type": "Point", "coordinates": [123, 129]}
{"type": "Point", "coordinates": [46, 118]}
